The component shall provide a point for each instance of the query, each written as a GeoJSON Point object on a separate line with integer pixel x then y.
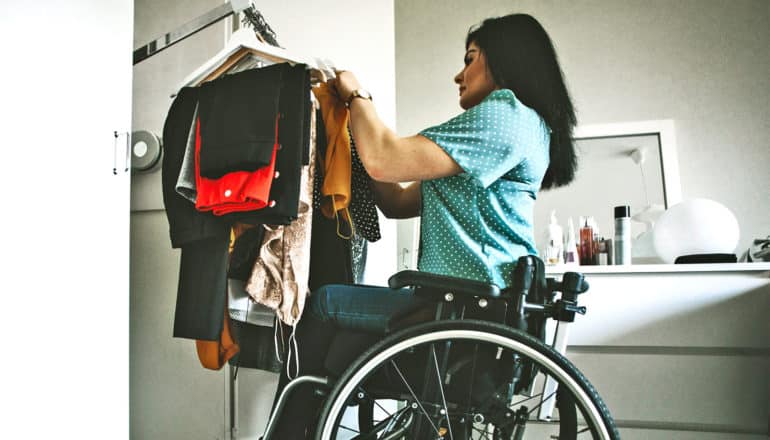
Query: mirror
{"type": "Point", "coordinates": [632, 164]}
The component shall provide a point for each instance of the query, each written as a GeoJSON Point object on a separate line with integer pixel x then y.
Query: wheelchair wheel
{"type": "Point", "coordinates": [462, 380]}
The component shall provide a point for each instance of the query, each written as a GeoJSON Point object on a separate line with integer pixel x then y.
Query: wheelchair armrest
{"type": "Point", "coordinates": [444, 283]}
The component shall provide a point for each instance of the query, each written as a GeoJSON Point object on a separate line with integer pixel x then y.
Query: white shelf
{"type": "Point", "coordinates": [661, 268]}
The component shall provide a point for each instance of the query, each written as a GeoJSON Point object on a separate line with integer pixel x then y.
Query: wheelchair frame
{"type": "Point", "coordinates": [529, 300]}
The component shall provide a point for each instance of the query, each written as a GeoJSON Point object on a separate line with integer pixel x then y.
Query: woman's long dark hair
{"type": "Point", "coordinates": [521, 57]}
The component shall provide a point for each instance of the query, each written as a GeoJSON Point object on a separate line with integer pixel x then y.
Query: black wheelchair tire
{"type": "Point", "coordinates": [587, 399]}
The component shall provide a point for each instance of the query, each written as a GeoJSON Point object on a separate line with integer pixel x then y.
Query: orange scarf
{"type": "Point", "coordinates": [214, 354]}
{"type": "Point", "coordinates": [337, 162]}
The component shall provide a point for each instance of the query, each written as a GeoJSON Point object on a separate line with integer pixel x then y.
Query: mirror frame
{"type": "Point", "coordinates": [664, 129]}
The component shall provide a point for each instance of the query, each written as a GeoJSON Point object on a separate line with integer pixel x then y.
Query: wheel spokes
{"type": "Point", "coordinates": [441, 389]}
{"type": "Point", "coordinates": [414, 396]}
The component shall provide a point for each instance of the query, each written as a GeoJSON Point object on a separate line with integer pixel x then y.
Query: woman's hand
{"type": "Point", "coordinates": [345, 83]}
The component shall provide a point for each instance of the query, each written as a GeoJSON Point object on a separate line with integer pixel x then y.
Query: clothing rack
{"type": "Point", "coordinates": [252, 17]}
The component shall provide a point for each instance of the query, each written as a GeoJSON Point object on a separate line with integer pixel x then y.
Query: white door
{"type": "Point", "coordinates": [65, 87]}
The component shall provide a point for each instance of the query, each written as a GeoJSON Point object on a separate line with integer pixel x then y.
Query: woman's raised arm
{"type": "Point", "coordinates": [386, 156]}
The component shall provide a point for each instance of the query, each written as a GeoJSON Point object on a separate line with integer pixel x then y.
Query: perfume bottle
{"type": "Point", "coordinates": [586, 244]}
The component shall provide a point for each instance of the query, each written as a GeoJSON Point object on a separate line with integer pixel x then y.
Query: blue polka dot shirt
{"type": "Point", "coordinates": [476, 224]}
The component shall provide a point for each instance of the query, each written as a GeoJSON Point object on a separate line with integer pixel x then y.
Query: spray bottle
{"type": "Point", "coordinates": [622, 246]}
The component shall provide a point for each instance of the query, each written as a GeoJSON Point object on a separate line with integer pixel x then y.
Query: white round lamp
{"type": "Point", "coordinates": [695, 226]}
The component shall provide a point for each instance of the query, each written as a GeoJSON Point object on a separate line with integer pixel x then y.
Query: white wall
{"type": "Point", "coordinates": [171, 395]}
{"type": "Point", "coordinates": [702, 63]}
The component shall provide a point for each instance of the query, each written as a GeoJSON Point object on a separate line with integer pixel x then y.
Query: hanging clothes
{"type": "Point", "coordinates": [214, 354]}
{"type": "Point", "coordinates": [331, 262]}
{"type": "Point", "coordinates": [336, 163]}
{"type": "Point", "coordinates": [335, 259]}
{"type": "Point", "coordinates": [258, 346]}
{"type": "Point", "coordinates": [238, 115]}
{"type": "Point", "coordinates": [186, 224]}
{"type": "Point", "coordinates": [262, 340]}
{"type": "Point", "coordinates": [293, 141]}
{"type": "Point", "coordinates": [244, 194]}
{"type": "Point", "coordinates": [185, 183]}
{"type": "Point", "coordinates": [290, 241]}
{"type": "Point", "coordinates": [244, 250]}
{"type": "Point", "coordinates": [201, 237]}
{"type": "Point", "coordinates": [236, 140]}
{"type": "Point", "coordinates": [280, 275]}
{"type": "Point", "coordinates": [235, 191]}
{"type": "Point", "coordinates": [363, 210]}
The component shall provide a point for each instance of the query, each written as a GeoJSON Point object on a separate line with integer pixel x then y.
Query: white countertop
{"type": "Point", "coordinates": [662, 268]}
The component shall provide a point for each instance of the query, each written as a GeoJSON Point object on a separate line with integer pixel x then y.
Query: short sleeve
{"type": "Point", "coordinates": [490, 138]}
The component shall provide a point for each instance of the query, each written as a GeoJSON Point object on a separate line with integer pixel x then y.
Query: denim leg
{"type": "Point", "coordinates": [358, 307]}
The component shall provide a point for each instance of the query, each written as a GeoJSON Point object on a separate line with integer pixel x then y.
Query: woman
{"type": "Point", "coordinates": [475, 178]}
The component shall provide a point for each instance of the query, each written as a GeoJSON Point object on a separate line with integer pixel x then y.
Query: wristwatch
{"type": "Point", "coordinates": [358, 93]}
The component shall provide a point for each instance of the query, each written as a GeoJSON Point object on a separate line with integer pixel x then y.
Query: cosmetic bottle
{"type": "Point", "coordinates": [571, 256]}
{"type": "Point", "coordinates": [586, 244]}
{"type": "Point", "coordinates": [596, 239]}
{"type": "Point", "coordinates": [603, 252]}
{"type": "Point", "coordinates": [554, 249]}
{"type": "Point", "coordinates": [622, 242]}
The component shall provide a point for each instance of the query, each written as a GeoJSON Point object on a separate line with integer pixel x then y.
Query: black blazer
{"type": "Point", "coordinates": [202, 237]}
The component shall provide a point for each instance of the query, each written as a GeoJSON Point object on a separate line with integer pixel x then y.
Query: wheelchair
{"type": "Point", "coordinates": [479, 370]}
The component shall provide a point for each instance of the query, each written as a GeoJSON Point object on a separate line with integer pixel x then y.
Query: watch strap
{"type": "Point", "coordinates": [358, 93]}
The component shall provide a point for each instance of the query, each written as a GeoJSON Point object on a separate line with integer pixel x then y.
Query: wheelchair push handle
{"type": "Point", "coordinates": [572, 285]}
{"type": "Point", "coordinates": [524, 274]}
{"type": "Point", "coordinates": [523, 277]}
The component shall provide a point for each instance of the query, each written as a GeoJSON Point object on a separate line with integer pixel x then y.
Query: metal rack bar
{"type": "Point", "coordinates": [189, 28]}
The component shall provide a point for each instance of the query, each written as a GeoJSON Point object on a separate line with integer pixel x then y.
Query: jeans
{"type": "Point", "coordinates": [353, 315]}
{"type": "Point", "coordinates": [361, 308]}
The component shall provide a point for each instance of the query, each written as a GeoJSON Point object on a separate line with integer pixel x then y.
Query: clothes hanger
{"type": "Point", "coordinates": [244, 42]}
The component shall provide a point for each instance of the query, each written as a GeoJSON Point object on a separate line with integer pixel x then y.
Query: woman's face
{"type": "Point", "coordinates": [474, 80]}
